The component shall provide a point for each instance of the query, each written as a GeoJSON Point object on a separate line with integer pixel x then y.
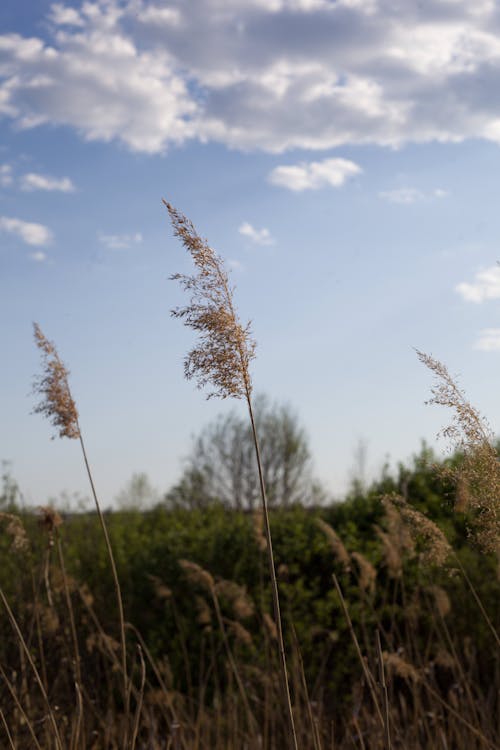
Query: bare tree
{"type": "Point", "coordinates": [222, 464]}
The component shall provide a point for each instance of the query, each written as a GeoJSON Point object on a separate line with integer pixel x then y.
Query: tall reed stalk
{"type": "Point", "coordinates": [58, 405]}
{"type": "Point", "coordinates": [222, 361]}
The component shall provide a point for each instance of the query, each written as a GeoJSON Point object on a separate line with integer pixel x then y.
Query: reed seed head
{"type": "Point", "coordinates": [478, 477]}
{"type": "Point", "coordinates": [435, 548]}
{"type": "Point", "coordinates": [336, 543]}
{"type": "Point", "coordinates": [56, 400]}
{"type": "Point", "coordinates": [197, 575]}
{"type": "Point", "coordinates": [15, 529]}
{"type": "Point", "coordinates": [222, 357]}
{"type": "Point", "coordinates": [367, 572]}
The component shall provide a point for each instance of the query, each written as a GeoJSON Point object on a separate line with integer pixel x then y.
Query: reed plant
{"type": "Point", "coordinates": [221, 360]}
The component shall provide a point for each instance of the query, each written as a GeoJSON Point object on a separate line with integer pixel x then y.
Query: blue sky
{"type": "Point", "coordinates": [343, 157]}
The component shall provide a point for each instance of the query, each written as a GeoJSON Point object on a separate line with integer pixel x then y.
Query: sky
{"type": "Point", "coordinates": [342, 156]}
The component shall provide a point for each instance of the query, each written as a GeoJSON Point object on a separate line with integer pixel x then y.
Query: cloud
{"type": "Point", "coordinates": [407, 195]}
{"type": "Point", "coordinates": [489, 340]}
{"type": "Point", "coordinates": [38, 256]}
{"type": "Point", "coordinates": [259, 236]}
{"type": "Point", "coordinates": [258, 74]}
{"type": "Point", "coordinates": [5, 175]}
{"type": "Point", "coordinates": [314, 175]}
{"type": "Point", "coordinates": [120, 241]}
{"type": "Point", "coordinates": [485, 286]}
{"type": "Point", "coordinates": [33, 181]}
{"type": "Point", "coordinates": [62, 15]}
{"type": "Point", "coordinates": [29, 232]}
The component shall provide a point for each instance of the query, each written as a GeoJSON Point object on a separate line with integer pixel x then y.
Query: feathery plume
{"type": "Point", "coordinates": [478, 477]}
{"type": "Point", "coordinates": [435, 547]}
{"type": "Point", "coordinates": [57, 402]}
{"type": "Point", "coordinates": [15, 529]}
{"type": "Point", "coordinates": [226, 348]}
{"type": "Point", "coordinates": [336, 544]}
{"type": "Point", "coordinates": [197, 575]}
{"type": "Point", "coordinates": [367, 575]}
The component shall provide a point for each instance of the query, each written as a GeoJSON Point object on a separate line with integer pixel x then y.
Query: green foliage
{"type": "Point", "coordinates": [176, 616]}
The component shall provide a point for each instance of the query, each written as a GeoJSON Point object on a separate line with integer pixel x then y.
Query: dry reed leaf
{"type": "Point", "coordinates": [338, 549]}
{"type": "Point", "coordinates": [56, 403]}
{"type": "Point", "coordinates": [226, 348]}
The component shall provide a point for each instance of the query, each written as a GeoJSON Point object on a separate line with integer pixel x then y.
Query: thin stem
{"type": "Point", "coordinates": [67, 595]}
{"type": "Point", "coordinates": [366, 671]}
{"type": "Point", "coordinates": [115, 578]}
{"type": "Point", "coordinates": [272, 572]}
{"type": "Point", "coordinates": [477, 599]}
{"type": "Point", "coordinates": [20, 707]}
{"type": "Point", "coordinates": [26, 651]}
{"type": "Point", "coordinates": [7, 731]}
{"type": "Point", "coordinates": [385, 696]}
{"type": "Point", "coordinates": [140, 700]}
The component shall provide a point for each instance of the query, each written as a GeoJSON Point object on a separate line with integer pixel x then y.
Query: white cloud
{"type": "Point", "coordinates": [29, 232]}
{"type": "Point", "coordinates": [407, 195]}
{"type": "Point", "coordinates": [62, 15]}
{"type": "Point", "coordinates": [33, 181]}
{"type": "Point", "coordinates": [38, 256]}
{"type": "Point", "coordinates": [259, 236]}
{"type": "Point", "coordinates": [485, 286]}
{"type": "Point", "coordinates": [154, 14]}
{"type": "Point", "coordinates": [5, 175]}
{"type": "Point", "coordinates": [314, 175]}
{"type": "Point", "coordinates": [266, 74]}
{"type": "Point", "coordinates": [120, 241]}
{"type": "Point", "coordinates": [489, 340]}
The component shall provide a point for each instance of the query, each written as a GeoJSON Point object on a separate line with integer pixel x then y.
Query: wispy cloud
{"type": "Point", "coordinates": [489, 340]}
{"type": "Point", "coordinates": [33, 181]}
{"type": "Point", "coordinates": [314, 175]}
{"type": "Point", "coordinates": [120, 241]}
{"type": "Point", "coordinates": [486, 285]}
{"type": "Point", "coordinates": [5, 175]}
{"type": "Point", "coordinates": [29, 232]}
{"type": "Point", "coordinates": [258, 236]}
{"type": "Point", "coordinates": [408, 195]}
{"type": "Point", "coordinates": [38, 256]}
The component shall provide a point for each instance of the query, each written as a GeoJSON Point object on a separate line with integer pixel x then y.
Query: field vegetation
{"type": "Point", "coordinates": [255, 614]}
